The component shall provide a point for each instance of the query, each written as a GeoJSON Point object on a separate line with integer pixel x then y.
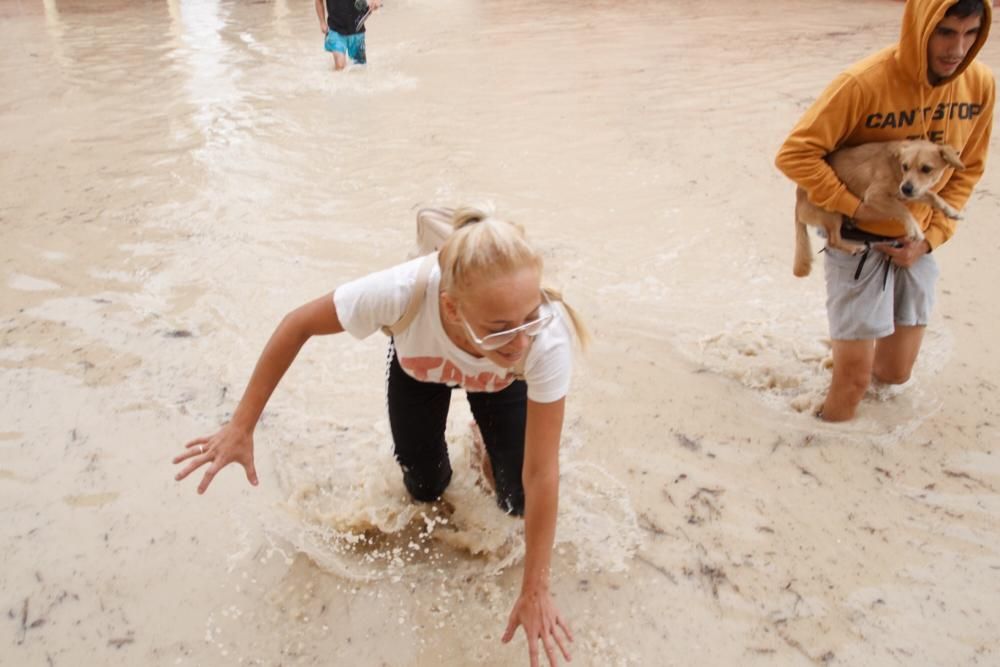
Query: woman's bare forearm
{"type": "Point", "coordinates": [278, 355]}
{"type": "Point", "coordinates": [314, 318]}
{"type": "Point", "coordinates": [541, 507]}
{"type": "Point", "coordinates": [541, 491]}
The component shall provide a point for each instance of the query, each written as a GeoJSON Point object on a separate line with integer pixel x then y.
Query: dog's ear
{"type": "Point", "coordinates": [950, 155]}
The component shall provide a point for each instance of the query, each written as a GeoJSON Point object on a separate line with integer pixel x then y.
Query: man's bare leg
{"type": "Point", "coordinates": [852, 373]}
{"type": "Point", "coordinates": [896, 355]}
{"type": "Point", "coordinates": [339, 60]}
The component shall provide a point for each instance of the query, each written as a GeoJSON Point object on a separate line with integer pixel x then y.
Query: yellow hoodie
{"type": "Point", "coordinates": [880, 99]}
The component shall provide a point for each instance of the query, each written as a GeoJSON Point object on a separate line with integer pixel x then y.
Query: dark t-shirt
{"type": "Point", "coordinates": [342, 16]}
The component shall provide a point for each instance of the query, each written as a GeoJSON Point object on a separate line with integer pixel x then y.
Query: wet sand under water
{"type": "Point", "coordinates": [177, 175]}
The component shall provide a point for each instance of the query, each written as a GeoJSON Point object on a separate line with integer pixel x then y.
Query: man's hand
{"type": "Point", "coordinates": [907, 253]}
{"type": "Point", "coordinates": [324, 27]}
{"type": "Point", "coordinates": [541, 621]}
{"type": "Point", "coordinates": [374, 4]}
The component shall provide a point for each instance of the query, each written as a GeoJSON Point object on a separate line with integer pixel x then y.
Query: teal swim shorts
{"type": "Point", "coordinates": [352, 45]}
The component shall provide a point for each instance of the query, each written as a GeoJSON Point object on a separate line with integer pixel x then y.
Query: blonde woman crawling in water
{"type": "Point", "coordinates": [480, 319]}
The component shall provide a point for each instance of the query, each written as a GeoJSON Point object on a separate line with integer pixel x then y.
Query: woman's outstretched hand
{"type": "Point", "coordinates": [230, 444]}
{"type": "Point", "coordinates": [542, 622]}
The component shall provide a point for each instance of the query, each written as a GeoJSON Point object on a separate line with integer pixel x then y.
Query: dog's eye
{"type": "Point", "coordinates": [906, 167]}
{"type": "Point", "coordinates": [926, 169]}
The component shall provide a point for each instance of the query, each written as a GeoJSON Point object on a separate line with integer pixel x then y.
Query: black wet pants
{"type": "Point", "coordinates": [418, 412]}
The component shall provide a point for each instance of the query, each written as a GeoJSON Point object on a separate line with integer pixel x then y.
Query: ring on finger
{"type": "Point", "coordinates": [202, 447]}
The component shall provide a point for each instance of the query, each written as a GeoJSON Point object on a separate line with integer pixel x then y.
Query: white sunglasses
{"type": "Point", "coordinates": [495, 341]}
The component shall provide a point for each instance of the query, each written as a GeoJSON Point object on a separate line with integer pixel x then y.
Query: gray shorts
{"type": "Point", "coordinates": [871, 305]}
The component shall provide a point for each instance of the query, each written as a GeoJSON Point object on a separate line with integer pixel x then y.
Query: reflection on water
{"type": "Point", "coordinates": [281, 13]}
{"type": "Point", "coordinates": [211, 78]}
{"type": "Point", "coordinates": [55, 31]}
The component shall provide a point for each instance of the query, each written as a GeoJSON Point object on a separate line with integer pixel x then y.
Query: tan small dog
{"type": "Point", "coordinates": [884, 175]}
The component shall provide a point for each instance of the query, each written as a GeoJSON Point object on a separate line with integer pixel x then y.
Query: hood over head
{"type": "Point", "coordinates": [920, 18]}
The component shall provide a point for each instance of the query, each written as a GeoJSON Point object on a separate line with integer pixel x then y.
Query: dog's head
{"type": "Point", "coordinates": [922, 164]}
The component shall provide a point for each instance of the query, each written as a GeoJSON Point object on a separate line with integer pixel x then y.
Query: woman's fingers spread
{"type": "Point", "coordinates": [220, 449]}
{"type": "Point", "coordinates": [193, 448]}
{"type": "Point", "coordinates": [512, 624]}
{"type": "Point", "coordinates": [184, 456]}
{"type": "Point", "coordinates": [209, 476]}
{"type": "Point", "coordinates": [565, 627]}
{"type": "Point", "coordinates": [561, 644]}
{"type": "Point", "coordinates": [251, 471]}
{"type": "Point", "coordinates": [533, 650]}
{"type": "Point", "coordinates": [549, 651]}
{"type": "Point", "coordinates": [196, 463]}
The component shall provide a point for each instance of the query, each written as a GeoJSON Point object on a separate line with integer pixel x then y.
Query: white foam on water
{"type": "Point", "coordinates": [285, 74]}
{"type": "Point", "coordinates": [346, 508]}
{"type": "Point", "coordinates": [787, 363]}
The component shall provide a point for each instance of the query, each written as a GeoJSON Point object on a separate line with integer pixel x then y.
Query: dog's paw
{"type": "Point", "coordinates": [916, 235]}
{"type": "Point", "coordinates": [951, 213]}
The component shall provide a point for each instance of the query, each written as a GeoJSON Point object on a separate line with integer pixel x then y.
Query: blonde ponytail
{"type": "Point", "coordinates": [483, 247]}
{"type": "Point", "coordinates": [469, 215]}
{"type": "Point", "coordinates": [579, 328]}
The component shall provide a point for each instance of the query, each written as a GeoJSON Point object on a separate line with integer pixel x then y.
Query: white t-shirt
{"type": "Point", "coordinates": [427, 354]}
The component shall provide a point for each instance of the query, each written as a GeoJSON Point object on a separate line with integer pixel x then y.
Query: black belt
{"type": "Point", "coordinates": [852, 233]}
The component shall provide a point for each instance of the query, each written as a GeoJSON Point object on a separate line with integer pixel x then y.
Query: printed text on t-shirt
{"type": "Point", "coordinates": [437, 369]}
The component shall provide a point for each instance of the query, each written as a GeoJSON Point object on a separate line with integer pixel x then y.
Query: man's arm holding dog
{"type": "Point", "coordinates": [822, 129]}
{"type": "Point", "coordinates": [959, 187]}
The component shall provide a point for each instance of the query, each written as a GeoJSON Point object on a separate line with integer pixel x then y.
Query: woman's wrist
{"type": "Point", "coordinates": [243, 423]}
{"type": "Point", "coordinates": [535, 585]}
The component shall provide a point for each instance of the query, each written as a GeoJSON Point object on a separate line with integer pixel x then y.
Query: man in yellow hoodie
{"type": "Point", "coordinates": [929, 86]}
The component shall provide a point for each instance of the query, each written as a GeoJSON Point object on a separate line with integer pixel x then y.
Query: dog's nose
{"type": "Point", "coordinates": [906, 189]}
